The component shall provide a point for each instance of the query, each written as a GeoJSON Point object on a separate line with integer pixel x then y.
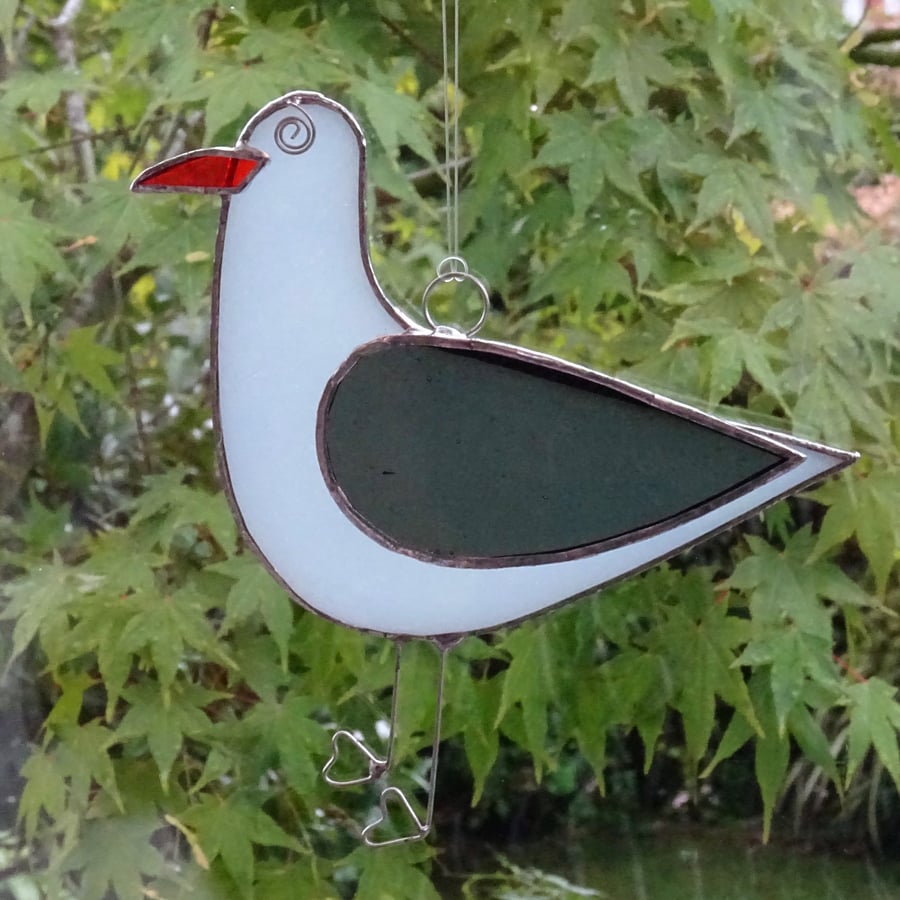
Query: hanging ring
{"type": "Point", "coordinates": [450, 276]}
{"type": "Point", "coordinates": [453, 265]}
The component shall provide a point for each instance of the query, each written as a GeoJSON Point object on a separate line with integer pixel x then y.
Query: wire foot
{"type": "Point", "coordinates": [394, 795]}
{"type": "Point", "coordinates": [377, 765]}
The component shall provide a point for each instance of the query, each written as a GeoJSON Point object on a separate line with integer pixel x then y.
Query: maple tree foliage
{"type": "Point", "coordinates": [659, 190]}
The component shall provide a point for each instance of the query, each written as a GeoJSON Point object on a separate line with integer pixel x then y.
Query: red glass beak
{"type": "Point", "coordinates": [219, 170]}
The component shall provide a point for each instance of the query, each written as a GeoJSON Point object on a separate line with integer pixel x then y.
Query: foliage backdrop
{"type": "Point", "coordinates": [658, 189]}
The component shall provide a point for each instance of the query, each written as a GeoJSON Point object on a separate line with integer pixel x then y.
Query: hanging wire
{"type": "Point", "coordinates": [450, 46]}
{"type": "Point", "coordinates": [393, 794]}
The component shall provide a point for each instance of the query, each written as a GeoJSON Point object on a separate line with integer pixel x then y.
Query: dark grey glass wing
{"type": "Point", "coordinates": [472, 456]}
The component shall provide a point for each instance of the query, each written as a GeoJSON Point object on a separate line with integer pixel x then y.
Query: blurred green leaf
{"type": "Point", "coordinates": [874, 722]}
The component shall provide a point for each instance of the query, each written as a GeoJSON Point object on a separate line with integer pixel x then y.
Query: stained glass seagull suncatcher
{"type": "Point", "coordinates": [418, 481]}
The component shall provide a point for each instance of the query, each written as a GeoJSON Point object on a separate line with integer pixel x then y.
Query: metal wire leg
{"type": "Point", "coordinates": [377, 765]}
{"type": "Point", "coordinates": [396, 795]}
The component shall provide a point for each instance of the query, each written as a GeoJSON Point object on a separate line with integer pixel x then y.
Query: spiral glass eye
{"type": "Point", "coordinates": [295, 133]}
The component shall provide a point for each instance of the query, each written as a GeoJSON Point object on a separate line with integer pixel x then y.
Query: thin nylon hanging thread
{"type": "Point", "coordinates": [450, 42]}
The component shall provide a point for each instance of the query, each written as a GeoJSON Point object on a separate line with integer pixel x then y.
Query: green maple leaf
{"type": "Point", "coordinates": [171, 504]}
{"type": "Point", "coordinates": [115, 665]}
{"type": "Point", "coordinates": [116, 853]}
{"type": "Point", "coordinates": [572, 142]}
{"type": "Point", "coordinates": [299, 740]}
{"type": "Point", "coordinates": [163, 719]}
{"type": "Point", "coordinates": [398, 120]}
{"type": "Point", "coordinates": [82, 752]}
{"type": "Point", "coordinates": [480, 701]}
{"type": "Point", "coordinates": [164, 626]}
{"type": "Point", "coordinates": [45, 791]}
{"type": "Point", "coordinates": [255, 592]}
{"type": "Point", "coordinates": [815, 744]}
{"type": "Point", "coordinates": [874, 722]}
{"type": "Point", "coordinates": [27, 252]}
{"type": "Point", "coordinates": [119, 558]}
{"type": "Point", "coordinates": [144, 26]}
{"type": "Point", "coordinates": [393, 873]}
{"type": "Point", "coordinates": [256, 659]}
{"type": "Point", "coordinates": [871, 511]}
{"type": "Point", "coordinates": [39, 91]}
{"type": "Point", "coordinates": [43, 529]}
{"type": "Point", "coordinates": [39, 602]}
{"type": "Point", "coordinates": [594, 152]}
{"type": "Point", "coordinates": [777, 114]}
{"type": "Point", "coordinates": [110, 214]}
{"type": "Point", "coordinates": [285, 48]}
{"type": "Point", "coordinates": [785, 586]}
{"type": "Point", "coordinates": [633, 62]}
{"type": "Point", "coordinates": [702, 649]}
{"type": "Point", "coordinates": [227, 828]}
{"type": "Point", "coordinates": [593, 707]}
{"type": "Point", "coordinates": [733, 185]}
{"type": "Point", "coordinates": [179, 228]}
{"type": "Point", "coordinates": [585, 271]}
{"type": "Point", "coordinates": [792, 628]}
{"type": "Point", "coordinates": [89, 359]}
{"type": "Point", "coordinates": [529, 684]}
{"type": "Point", "coordinates": [234, 93]}
{"type": "Point", "coordinates": [794, 658]}
{"type": "Point", "coordinates": [772, 751]}
{"type": "Point", "coordinates": [303, 879]}
{"type": "Point", "coordinates": [632, 689]}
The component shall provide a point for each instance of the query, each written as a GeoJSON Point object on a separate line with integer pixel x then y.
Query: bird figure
{"type": "Point", "coordinates": [414, 480]}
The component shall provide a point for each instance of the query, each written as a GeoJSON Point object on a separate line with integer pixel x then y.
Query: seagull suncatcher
{"type": "Point", "coordinates": [420, 482]}
{"type": "Point", "coordinates": [413, 481]}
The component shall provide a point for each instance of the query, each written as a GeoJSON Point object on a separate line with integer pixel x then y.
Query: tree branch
{"type": "Point", "coordinates": [21, 39]}
{"type": "Point", "coordinates": [875, 56]}
{"type": "Point", "coordinates": [68, 14]}
{"type": "Point", "coordinates": [879, 36]}
{"type": "Point", "coordinates": [76, 108]}
{"type": "Point", "coordinates": [399, 32]}
{"type": "Point", "coordinates": [49, 148]}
